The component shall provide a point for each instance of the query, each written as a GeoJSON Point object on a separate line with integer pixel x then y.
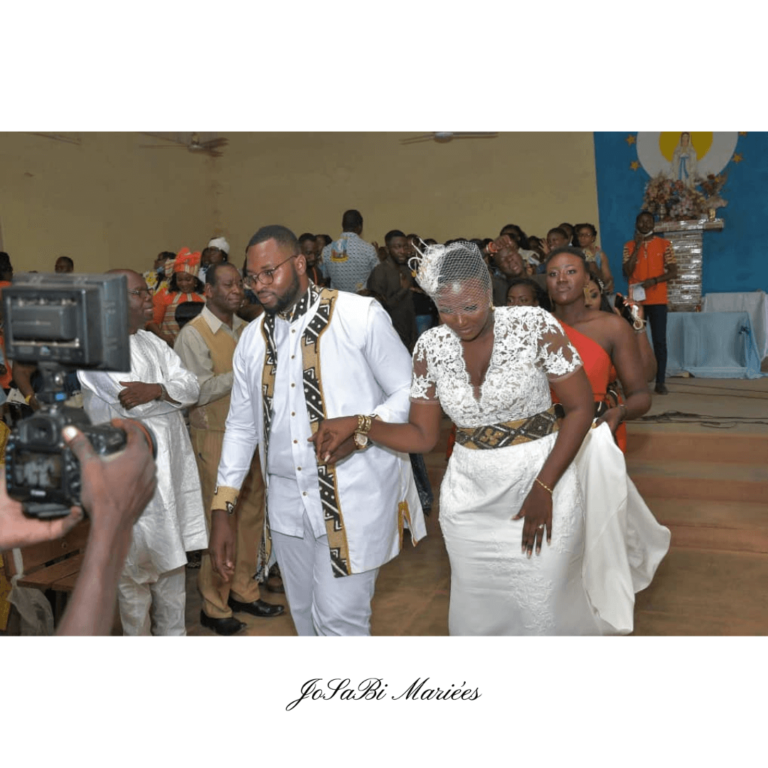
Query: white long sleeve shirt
{"type": "Point", "coordinates": [364, 368]}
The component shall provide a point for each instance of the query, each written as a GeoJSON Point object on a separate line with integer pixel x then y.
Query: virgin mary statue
{"type": "Point", "coordinates": [683, 165]}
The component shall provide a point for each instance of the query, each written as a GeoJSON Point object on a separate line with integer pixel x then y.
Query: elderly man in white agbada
{"type": "Point", "coordinates": [152, 591]}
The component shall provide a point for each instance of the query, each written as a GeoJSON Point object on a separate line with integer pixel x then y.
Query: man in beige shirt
{"type": "Point", "coordinates": [206, 346]}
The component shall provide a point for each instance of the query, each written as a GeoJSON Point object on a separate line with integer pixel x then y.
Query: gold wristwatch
{"type": "Point", "coordinates": [361, 433]}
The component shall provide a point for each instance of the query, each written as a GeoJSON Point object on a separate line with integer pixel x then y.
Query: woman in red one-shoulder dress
{"type": "Point", "coordinates": [605, 342]}
{"type": "Point", "coordinates": [622, 537]}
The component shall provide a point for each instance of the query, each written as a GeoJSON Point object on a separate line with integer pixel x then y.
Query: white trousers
{"type": "Point", "coordinates": [320, 603]}
{"type": "Point", "coordinates": [159, 600]}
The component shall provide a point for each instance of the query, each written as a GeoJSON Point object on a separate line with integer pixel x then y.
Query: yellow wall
{"type": "Point", "coordinates": [107, 203]}
{"type": "Point", "coordinates": [467, 188]}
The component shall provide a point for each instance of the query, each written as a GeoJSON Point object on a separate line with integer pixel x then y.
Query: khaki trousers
{"type": "Point", "coordinates": [250, 521]}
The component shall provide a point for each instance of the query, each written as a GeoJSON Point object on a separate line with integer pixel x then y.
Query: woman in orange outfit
{"type": "Point", "coordinates": [623, 539]}
{"type": "Point", "coordinates": [184, 286]}
{"type": "Point", "coordinates": [604, 341]}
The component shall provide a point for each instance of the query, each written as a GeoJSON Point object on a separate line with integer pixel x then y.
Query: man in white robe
{"type": "Point", "coordinates": [316, 354]}
{"type": "Point", "coordinates": [154, 392]}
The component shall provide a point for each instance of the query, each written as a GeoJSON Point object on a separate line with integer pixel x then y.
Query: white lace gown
{"type": "Point", "coordinates": [495, 589]}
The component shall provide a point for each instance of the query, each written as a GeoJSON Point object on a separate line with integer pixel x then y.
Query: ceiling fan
{"type": "Point", "coordinates": [443, 137]}
{"type": "Point", "coordinates": [71, 139]}
{"type": "Point", "coordinates": [210, 148]}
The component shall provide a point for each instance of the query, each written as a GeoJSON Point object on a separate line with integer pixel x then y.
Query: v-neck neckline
{"type": "Point", "coordinates": [477, 396]}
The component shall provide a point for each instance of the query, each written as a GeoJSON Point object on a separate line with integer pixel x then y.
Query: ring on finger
{"type": "Point", "coordinates": [541, 526]}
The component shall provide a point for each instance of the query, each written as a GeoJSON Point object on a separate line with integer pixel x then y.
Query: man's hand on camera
{"type": "Point", "coordinates": [138, 393]}
{"type": "Point", "coordinates": [115, 489]}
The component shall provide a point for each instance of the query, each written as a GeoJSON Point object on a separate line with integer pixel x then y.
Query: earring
{"type": "Point", "coordinates": [586, 293]}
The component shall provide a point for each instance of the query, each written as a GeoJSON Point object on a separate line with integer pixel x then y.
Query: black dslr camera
{"type": "Point", "coordinates": [62, 323]}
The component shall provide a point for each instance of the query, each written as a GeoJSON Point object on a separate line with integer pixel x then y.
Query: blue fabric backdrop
{"type": "Point", "coordinates": [735, 259]}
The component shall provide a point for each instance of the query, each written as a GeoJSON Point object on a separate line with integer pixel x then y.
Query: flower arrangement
{"type": "Point", "coordinates": [673, 200]}
{"type": "Point", "coordinates": [712, 186]}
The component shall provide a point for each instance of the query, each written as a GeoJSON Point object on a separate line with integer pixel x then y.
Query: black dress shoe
{"type": "Point", "coordinates": [228, 626]}
{"type": "Point", "coordinates": [661, 389]}
{"type": "Point", "coordinates": [257, 608]}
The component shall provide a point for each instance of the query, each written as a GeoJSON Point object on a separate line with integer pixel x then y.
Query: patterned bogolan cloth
{"type": "Point", "coordinates": [329, 492]}
{"type": "Point", "coordinates": [510, 433]}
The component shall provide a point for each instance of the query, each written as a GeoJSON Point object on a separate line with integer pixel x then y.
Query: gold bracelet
{"type": "Point", "coordinates": [363, 424]}
{"type": "Point", "coordinates": [545, 487]}
{"type": "Point", "coordinates": [361, 433]}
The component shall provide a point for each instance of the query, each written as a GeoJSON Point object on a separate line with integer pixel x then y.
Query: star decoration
{"type": "Point", "coordinates": [742, 133]}
{"type": "Point", "coordinates": [634, 165]}
{"type": "Point", "coordinates": [630, 140]}
{"type": "Point", "coordinates": [737, 158]}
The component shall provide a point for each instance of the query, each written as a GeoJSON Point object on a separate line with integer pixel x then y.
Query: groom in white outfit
{"type": "Point", "coordinates": [316, 354]}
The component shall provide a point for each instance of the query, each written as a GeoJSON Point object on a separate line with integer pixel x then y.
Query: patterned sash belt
{"type": "Point", "coordinates": [511, 432]}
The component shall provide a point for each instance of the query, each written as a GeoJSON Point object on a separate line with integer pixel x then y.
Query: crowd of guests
{"type": "Point", "coordinates": [189, 373]}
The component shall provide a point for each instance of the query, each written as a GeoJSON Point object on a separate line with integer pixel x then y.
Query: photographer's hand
{"type": "Point", "coordinates": [116, 489]}
{"type": "Point", "coordinates": [138, 393]}
{"type": "Point", "coordinates": [18, 530]}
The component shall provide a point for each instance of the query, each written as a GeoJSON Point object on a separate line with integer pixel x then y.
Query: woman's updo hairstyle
{"type": "Point", "coordinates": [568, 249]}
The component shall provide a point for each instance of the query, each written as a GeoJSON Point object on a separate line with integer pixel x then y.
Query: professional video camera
{"type": "Point", "coordinates": [62, 323]}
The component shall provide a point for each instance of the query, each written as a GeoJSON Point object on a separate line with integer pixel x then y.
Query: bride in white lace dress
{"type": "Point", "coordinates": [509, 483]}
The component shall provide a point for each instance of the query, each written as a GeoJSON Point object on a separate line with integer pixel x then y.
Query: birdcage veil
{"type": "Point", "coordinates": [455, 267]}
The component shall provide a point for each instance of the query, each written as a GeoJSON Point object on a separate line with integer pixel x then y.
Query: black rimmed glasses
{"type": "Point", "coordinates": [266, 276]}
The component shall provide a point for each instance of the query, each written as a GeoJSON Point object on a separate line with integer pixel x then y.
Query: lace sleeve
{"type": "Point", "coordinates": [556, 355]}
{"type": "Point", "coordinates": [423, 387]}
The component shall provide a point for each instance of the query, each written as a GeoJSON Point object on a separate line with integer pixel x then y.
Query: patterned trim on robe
{"type": "Point", "coordinates": [313, 395]}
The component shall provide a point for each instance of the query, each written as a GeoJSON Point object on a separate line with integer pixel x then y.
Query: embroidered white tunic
{"type": "Point", "coordinates": [364, 368]}
{"type": "Point", "coordinates": [173, 521]}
